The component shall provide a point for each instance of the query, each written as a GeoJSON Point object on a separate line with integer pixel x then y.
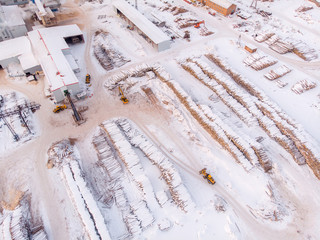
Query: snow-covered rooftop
{"type": "Point", "coordinates": [18, 47]}
{"type": "Point", "coordinates": [222, 3]}
{"type": "Point", "coordinates": [12, 15]}
{"type": "Point", "coordinates": [48, 44]}
{"type": "Point", "coordinates": [147, 27]}
{"type": "Point", "coordinates": [14, 47]}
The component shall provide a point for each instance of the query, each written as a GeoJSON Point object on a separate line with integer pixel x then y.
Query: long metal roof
{"type": "Point", "coordinates": [141, 22]}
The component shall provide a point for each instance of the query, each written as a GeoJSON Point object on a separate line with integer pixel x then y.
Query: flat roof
{"type": "Point", "coordinates": [48, 44]}
{"type": "Point", "coordinates": [12, 15]}
{"type": "Point", "coordinates": [147, 27]}
{"type": "Point", "coordinates": [222, 3]}
{"type": "Point", "coordinates": [21, 48]}
{"type": "Point", "coordinates": [14, 47]}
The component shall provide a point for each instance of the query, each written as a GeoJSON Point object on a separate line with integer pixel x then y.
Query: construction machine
{"type": "Point", "coordinates": [88, 78]}
{"type": "Point", "coordinates": [207, 176]}
{"type": "Point", "coordinates": [197, 25]}
{"type": "Point", "coordinates": [123, 98]}
{"type": "Point", "coordinates": [59, 108]}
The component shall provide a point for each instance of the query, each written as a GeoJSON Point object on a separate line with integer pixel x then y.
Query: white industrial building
{"type": "Point", "coordinates": [150, 32]}
{"type": "Point", "coordinates": [13, 2]}
{"type": "Point", "coordinates": [12, 24]}
{"type": "Point", "coordinates": [19, 50]}
{"type": "Point", "coordinates": [51, 49]}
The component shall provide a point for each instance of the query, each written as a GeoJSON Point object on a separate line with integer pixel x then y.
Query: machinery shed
{"type": "Point", "coordinates": [18, 50]}
{"type": "Point", "coordinates": [146, 28]}
{"type": "Point", "coordinates": [222, 6]}
{"type": "Point", "coordinates": [53, 52]}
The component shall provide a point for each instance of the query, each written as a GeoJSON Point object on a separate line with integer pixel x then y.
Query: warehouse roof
{"type": "Point", "coordinates": [223, 3]}
{"type": "Point", "coordinates": [48, 44]}
{"type": "Point", "coordinates": [141, 22]}
{"type": "Point", "coordinates": [12, 15]}
{"type": "Point", "coordinates": [18, 47]}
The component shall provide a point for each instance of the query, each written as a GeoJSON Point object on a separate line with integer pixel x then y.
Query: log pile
{"type": "Point", "coordinates": [185, 22]}
{"type": "Point", "coordinates": [304, 51]}
{"type": "Point", "coordinates": [277, 73]}
{"type": "Point", "coordinates": [261, 37]}
{"type": "Point", "coordinates": [290, 142]}
{"type": "Point", "coordinates": [263, 63]}
{"type": "Point", "coordinates": [141, 183]}
{"type": "Point", "coordinates": [285, 131]}
{"type": "Point", "coordinates": [179, 194]}
{"type": "Point", "coordinates": [281, 47]}
{"type": "Point", "coordinates": [225, 94]}
{"type": "Point", "coordinates": [105, 53]}
{"type": "Point", "coordinates": [302, 86]}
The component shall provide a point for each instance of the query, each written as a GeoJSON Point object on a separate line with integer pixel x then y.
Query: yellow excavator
{"type": "Point", "coordinates": [207, 176]}
{"type": "Point", "coordinates": [88, 79]}
{"type": "Point", "coordinates": [59, 108]}
{"type": "Point", "coordinates": [123, 98]}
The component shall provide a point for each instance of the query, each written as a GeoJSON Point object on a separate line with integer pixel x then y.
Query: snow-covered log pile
{"type": "Point", "coordinates": [126, 153]}
{"type": "Point", "coordinates": [237, 140]}
{"type": "Point", "coordinates": [296, 141]}
{"type": "Point", "coordinates": [263, 62]}
{"type": "Point", "coordinates": [168, 172]}
{"type": "Point", "coordinates": [40, 235]}
{"type": "Point", "coordinates": [242, 97]}
{"type": "Point", "coordinates": [252, 58]}
{"type": "Point", "coordinates": [210, 126]}
{"type": "Point", "coordinates": [13, 225]}
{"type": "Point", "coordinates": [304, 51]}
{"type": "Point", "coordinates": [277, 73]}
{"type": "Point", "coordinates": [306, 148]}
{"type": "Point", "coordinates": [83, 201]}
{"type": "Point", "coordinates": [213, 81]}
{"type": "Point", "coordinates": [302, 86]}
{"type": "Point", "coordinates": [105, 53]}
{"type": "Point", "coordinates": [135, 213]}
{"type": "Point", "coordinates": [303, 8]}
{"type": "Point", "coordinates": [281, 47]}
{"type": "Point", "coordinates": [132, 162]}
{"type": "Point", "coordinates": [62, 154]}
{"type": "Point", "coordinates": [261, 37]}
{"type": "Point", "coordinates": [274, 38]}
{"type": "Point", "coordinates": [105, 155]}
{"type": "Point", "coordinates": [138, 71]}
{"type": "Point", "coordinates": [129, 218]}
{"type": "Point", "coordinates": [185, 22]}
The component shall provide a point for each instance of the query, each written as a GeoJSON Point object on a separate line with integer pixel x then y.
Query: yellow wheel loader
{"type": "Point", "coordinates": [207, 176]}
{"type": "Point", "coordinates": [59, 108]}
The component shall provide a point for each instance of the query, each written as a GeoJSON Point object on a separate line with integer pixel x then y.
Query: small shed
{"type": "Point", "coordinates": [250, 49]}
{"type": "Point", "coordinates": [222, 6]}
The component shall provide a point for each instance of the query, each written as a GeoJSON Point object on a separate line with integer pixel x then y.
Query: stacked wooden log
{"type": "Point", "coordinates": [302, 86]}
{"type": "Point", "coordinates": [168, 172]}
{"type": "Point", "coordinates": [277, 73]}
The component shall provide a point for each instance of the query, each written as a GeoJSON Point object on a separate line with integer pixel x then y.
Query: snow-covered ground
{"type": "Point", "coordinates": [131, 171]}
